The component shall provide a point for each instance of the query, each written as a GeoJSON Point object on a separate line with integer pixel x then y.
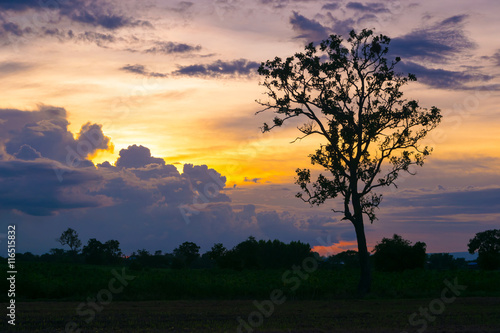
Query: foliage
{"type": "Point", "coordinates": [98, 253]}
{"type": "Point", "coordinates": [352, 97]}
{"type": "Point", "coordinates": [68, 281]}
{"type": "Point", "coordinates": [186, 254]}
{"type": "Point", "coordinates": [444, 261]}
{"type": "Point", "coordinates": [397, 254]}
{"type": "Point", "coordinates": [70, 238]}
{"type": "Point", "coordinates": [487, 245]}
{"type": "Point", "coordinates": [253, 254]}
{"type": "Point", "coordinates": [346, 260]}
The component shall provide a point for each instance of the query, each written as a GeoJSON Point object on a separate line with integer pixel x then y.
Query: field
{"type": "Point", "coordinates": [464, 315]}
{"type": "Point", "coordinates": [50, 296]}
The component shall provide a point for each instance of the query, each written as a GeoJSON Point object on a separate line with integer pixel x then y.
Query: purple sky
{"type": "Point", "coordinates": [156, 99]}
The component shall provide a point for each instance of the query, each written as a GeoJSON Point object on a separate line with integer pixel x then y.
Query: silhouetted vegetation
{"type": "Point", "coordinates": [445, 261]}
{"type": "Point", "coordinates": [397, 254]}
{"type": "Point", "coordinates": [351, 95]}
{"type": "Point", "coordinates": [487, 245]}
{"type": "Point", "coordinates": [251, 269]}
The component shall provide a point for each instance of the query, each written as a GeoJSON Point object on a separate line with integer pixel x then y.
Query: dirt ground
{"type": "Point", "coordinates": [411, 315]}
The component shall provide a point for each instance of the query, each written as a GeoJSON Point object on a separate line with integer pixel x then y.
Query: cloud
{"type": "Point", "coordinates": [252, 180]}
{"type": "Point", "coordinates": [162, 47]}
{"type": "Point", "coordinates": [26, 152]}
{"type": "Point", "coordinates": [136, 157]}
{"type": "Point", "coordinates": [495, 58]}
{"type": "Point", "coordinates": [331, 6]}
{"type": "Point", "coordinates": [13, 67]}
{"type": "Point", "coordinates": [445, 79]}
{"type": "Point", "coordinates": [14, 29]}
{"type": "Point", "coordinates": [46, 131]}
{"type": "Point", "coordinates": [342, 27]}
{"type": "Point", "coordinates": [311, 30]}
{"type": "Point", "coordinates": [373, 7]}
{"type": "Point", "coordinates": [141, 70]}
{"type": "Point", "coordinates": [241, 67]}
{"type": "Point", "coordinates": [32, 187]}
{"type": "Point", "coordinates": [93, 13]}
{"type": "Point", "coordinates": [438, 43]}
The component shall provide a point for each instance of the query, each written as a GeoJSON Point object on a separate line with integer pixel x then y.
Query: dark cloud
{"type": "Point", "coordinates": [171, 47]}
{"type": "Point", "coordinates": [20, 5]}
{"type": "Point", "coordinates": [93, 13]}
{"type": "Point", "coordinates": [437, 43]}
{"type": "Point", "coordinates": [141, 70]}
{"type": "Point", "coordinates": [46, 131]}
{"type": "Point", "coordinates": [14, 29]}
{"type": "Point", "coordinates": [28, 153]}
{"type": "Point", "coordinates": [34, 189]}
{"type": "Point", "coordinates": [137, 157]}
{"type": "Point", "coordinates": [311, 30]}
{"type": "Point", "coordinates": [241, 67]}
{"type": "Point", "coordinates": [373, 7]}
{"type": "Point", "coordinates": [331, 6]}
{"type": "Point", "coordinates": [444, 79]}
{"type": "Point", "coordinates": [441, 203]}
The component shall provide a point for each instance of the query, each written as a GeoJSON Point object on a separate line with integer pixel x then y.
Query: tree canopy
{"type": "Point", "coordinates": [487, 245]}
{"type": "Point", "coordinates": [351, 95]}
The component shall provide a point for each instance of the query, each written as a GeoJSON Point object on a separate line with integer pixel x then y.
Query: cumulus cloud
{"type": "Point", "coordinates": [241, 67]}
{"type": "Point", "coordinates": [46, 131]}
{"type": "Point", "coordinates": [26, 152]}
{"type": "Point", "coordinates": [136, 157]}
{"type": "Point", "coordinates": [31, 187]}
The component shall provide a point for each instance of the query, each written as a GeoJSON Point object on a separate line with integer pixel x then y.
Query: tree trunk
{"type": "Point", "coordinates": [364, 256]}
{"type": "Point", "coordinates": [364, 259]}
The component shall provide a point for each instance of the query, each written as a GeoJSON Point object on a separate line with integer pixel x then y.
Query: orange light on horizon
{"type": "Point", "coordinates": [335, 248]}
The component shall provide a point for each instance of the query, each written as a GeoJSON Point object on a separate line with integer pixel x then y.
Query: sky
{"type": "Point", "coordinates": [136, 121]}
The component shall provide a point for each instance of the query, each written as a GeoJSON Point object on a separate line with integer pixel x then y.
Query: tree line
{"type": "Point", "coordinates": [390, 254]}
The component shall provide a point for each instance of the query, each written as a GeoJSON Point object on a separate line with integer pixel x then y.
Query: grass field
{"type": "Point", "coordinates": [51, 296]}
{"type": "Point", "coordinates": [464, 315]}
{"type": "Point", "coordinates": [73, 282]}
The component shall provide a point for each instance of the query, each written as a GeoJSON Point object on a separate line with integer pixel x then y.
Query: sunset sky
{"type": "Point", "coordinates": [157, 100]}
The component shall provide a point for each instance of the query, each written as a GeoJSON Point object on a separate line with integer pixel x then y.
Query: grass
{"type": "Point", "coordinates": [54, 281]}
{"type": "Point", "coordinates": [51, 295]}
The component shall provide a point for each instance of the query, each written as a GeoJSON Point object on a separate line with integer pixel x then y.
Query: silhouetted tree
{"type": "Point", "coordinates": [351, 96]}
{"type": "Point", "coordinates": [444, 261]}
{"type": "Point", "coordinates": [98, 253]}
{"type": "Point", "coordinates": [487, 245]}
{"type": "Point", "coordinates": [397, 254]}
{"type": "Point", "coordinates": [187, 252]}
{"type": "Point", "coordinates": [217, 253]}
{"type": "Point", "coordinates": [345, 259]}
{"type": "Point", "coordinates": [70, 238]}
